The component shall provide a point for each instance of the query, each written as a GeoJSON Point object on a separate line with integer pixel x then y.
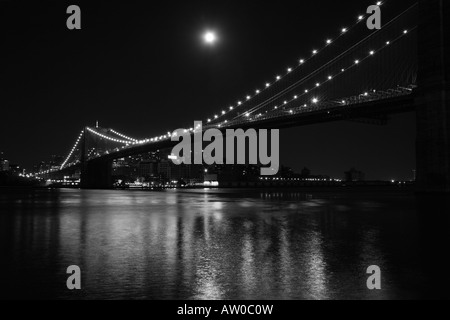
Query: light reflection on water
{"type": "Point", "coordinates": [215, 244]}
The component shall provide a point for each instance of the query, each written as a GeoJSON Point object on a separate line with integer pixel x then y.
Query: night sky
{"type": "Point", "coordinates": [144, 70]}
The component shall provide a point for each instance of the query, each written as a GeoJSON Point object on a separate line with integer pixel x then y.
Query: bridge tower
{"type": "Point", "coordinates": [97, 173]}
{"type": "Point", "coordinates": [433, 111]}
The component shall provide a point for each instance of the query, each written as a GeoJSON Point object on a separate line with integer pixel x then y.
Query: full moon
{"type": "Point", "coordinates": [210, 37]}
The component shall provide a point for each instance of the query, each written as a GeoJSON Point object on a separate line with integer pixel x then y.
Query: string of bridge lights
{"type": "Point", "coordinates": [296, 84]}
{"type": "Point", "coordinates": [314, 100]}
{"type": "Point", "coordinates": [267, 85]}
{"type": "Point", "coordinates": [302, 61]}
{"type": "Point", "coordinates": [73, 149]}
{"type": "Point", "coordinates": [330, 78]}
{"type": "Point", "coordinates": [123, 136]}
{"type": "Point", "coordinates": [108, 138]}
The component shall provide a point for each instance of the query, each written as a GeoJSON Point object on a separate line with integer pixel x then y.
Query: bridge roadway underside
{"type": "Point", "coordinates": [96, 173]}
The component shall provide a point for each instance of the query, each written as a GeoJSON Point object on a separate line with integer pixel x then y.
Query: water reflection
{"type": "Point", "coordinates": [221, 244]}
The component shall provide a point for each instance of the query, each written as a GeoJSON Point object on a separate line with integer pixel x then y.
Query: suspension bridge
{"type": "Point", "coordinates": [355, 75]}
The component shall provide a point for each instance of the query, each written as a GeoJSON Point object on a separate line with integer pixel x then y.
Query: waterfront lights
{"type": "Point", "coordinates": [356, 61]}
{"type": "Point", "coordinates": [315, 100]}
{"type": "Point", "coordinates": [344, 30]}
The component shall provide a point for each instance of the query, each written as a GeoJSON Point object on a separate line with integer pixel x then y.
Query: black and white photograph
{"type": "Point", "coordinates": [225, 158]}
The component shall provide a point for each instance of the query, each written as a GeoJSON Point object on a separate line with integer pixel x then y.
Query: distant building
{"type": "Point", "coordinates": [354, 175]}
{"type": "Point", "coordinates": [4, 165]}
{"type": "Point", "coordinates": [148, 168]}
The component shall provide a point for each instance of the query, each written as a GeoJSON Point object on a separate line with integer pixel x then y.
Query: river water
{"type": "Point", "coordinates": [223, 244]}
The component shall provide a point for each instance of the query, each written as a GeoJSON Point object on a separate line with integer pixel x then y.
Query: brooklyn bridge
{"type": "Point", "coordinates": [403, 67]}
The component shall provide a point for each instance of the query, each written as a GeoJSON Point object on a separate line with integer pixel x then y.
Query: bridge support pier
{"type": "Point", "coordinates": [433, 112]}
{"type": "Point", "coordinates": [97, 175]}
